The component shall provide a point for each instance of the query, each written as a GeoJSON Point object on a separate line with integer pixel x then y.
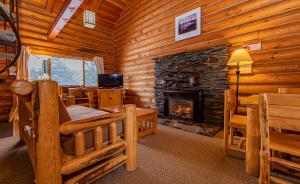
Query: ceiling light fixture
{"type": "Point", "coordinates": [89, 19]}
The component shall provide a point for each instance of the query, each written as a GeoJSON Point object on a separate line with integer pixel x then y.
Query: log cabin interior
{"type": "Point", "coordinates": [149, 91]}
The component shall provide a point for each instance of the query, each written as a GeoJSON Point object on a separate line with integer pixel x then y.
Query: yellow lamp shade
{"type": "Point", "coordinates": [240, 57]}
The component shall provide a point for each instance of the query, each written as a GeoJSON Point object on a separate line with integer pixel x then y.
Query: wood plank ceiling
{"type": "Point", "coordinates": [37, 17]}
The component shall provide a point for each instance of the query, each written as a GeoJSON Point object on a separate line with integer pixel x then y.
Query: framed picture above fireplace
{"type": "Point", "coordinates": [188, 25]}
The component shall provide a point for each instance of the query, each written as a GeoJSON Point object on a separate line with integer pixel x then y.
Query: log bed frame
{"type": "Point", "coordinates": [42, 122]}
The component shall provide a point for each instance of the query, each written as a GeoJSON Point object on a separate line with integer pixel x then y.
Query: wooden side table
{"type": "Point", "coordinates": [109, 97]}
{"type": "Point", "coordinates": [146, 118]}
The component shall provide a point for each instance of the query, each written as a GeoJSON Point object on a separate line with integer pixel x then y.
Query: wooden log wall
{"type": "Point", "coordinates": [74, 41]}
{"type": "Point", "coordinates": [146, 31]}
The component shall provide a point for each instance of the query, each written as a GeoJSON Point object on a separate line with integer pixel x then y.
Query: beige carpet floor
{"type": "Point", "coordinates": [172, 156]}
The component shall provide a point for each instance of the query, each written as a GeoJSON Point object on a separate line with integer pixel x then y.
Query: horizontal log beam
{"type": "Point", "coordinates": [67, 11]}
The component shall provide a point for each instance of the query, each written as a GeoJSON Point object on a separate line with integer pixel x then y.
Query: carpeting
{"type": "Point", "coordinates": [172, 156]}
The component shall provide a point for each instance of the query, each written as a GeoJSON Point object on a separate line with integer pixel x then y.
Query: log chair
{"type": "Point", "coordinates": [279, 112]}
{"type": "Point", "coordinates": [77, 95]}
{"type": "Point", "coordinates": [44, 121]}
{"type": "Point", "coordinates": [233, 122]}
{"type": "Point", "coordinates": [81, 97]}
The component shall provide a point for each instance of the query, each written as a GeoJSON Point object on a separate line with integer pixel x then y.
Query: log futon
{"type": "Point", "coordinates": [72, 144]}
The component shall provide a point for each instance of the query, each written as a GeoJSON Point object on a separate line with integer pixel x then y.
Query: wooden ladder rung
{"type": "Point", "coordinates": [286, 163]}
{"type": "Point", "coordinates": [92, 157]}
{"type": "Point", "coordinates": [235, 148]}
{"type": "Point", "coordinates": [239, 138]}
{"type": "Point", "coordinates": [276, 180]}
{"type": "Point", "coordinates": [98, 171]}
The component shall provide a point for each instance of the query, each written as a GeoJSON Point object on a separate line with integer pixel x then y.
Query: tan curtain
{"type": "Point", "coordinates": [22, 74]}
{"type": "Point", "coordinates": [99, 64]}
{"type": "Point", "coordinates": [22, 64]}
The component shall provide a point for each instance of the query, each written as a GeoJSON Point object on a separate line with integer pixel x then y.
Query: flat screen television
{"type": "Point", "coordinates": [110, 80]}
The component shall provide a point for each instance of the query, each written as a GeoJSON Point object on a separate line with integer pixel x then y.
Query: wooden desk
{"type": "Point", "coordinates": [253, 134]}
{"type": "Point", "coordinates": [146, 118]}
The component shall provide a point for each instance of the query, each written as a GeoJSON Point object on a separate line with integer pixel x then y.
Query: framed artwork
{"type": "Point", "coordinates": [188, 25]}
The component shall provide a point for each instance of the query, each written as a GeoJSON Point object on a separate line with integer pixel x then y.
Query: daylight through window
{"type": "Point", "coordinates": [64, 70]}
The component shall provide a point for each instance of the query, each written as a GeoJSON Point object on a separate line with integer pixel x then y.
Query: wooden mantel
{"type": "Point", "coordinates": [66, 12]}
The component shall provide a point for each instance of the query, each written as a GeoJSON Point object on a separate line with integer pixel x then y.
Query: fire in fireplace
{"type": "Point", "coordinates": [184, 104]}
{"type": "Point", "coordinates": [181, 108]}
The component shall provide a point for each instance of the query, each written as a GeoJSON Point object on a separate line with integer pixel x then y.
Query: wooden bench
{"type": "Point", "coordinates": [146, 118]}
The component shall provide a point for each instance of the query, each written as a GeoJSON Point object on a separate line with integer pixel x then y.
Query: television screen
{"type": "Point", "coordinates": [110, 80]}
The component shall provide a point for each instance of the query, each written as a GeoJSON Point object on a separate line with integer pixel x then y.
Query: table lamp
{"type": "Point", "coordinates": [238, 58]}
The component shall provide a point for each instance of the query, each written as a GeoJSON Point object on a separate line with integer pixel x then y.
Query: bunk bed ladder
{"type": "Point", "coordinates": [10, 38]}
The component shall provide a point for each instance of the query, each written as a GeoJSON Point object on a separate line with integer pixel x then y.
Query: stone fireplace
{"type": "Point", "coordinates": [191, 85]}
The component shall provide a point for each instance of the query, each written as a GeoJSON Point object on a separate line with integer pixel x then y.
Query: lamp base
{"type": "Point", "coordinates": [237, 88]}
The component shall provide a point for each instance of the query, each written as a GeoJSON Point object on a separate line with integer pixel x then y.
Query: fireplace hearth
{"type": "Point", "coordinates": [185, 104]}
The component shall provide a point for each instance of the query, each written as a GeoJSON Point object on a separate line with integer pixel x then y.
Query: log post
{"type": "Point", "coordinates": [226, 121]}
{"type": "Point", "coordinates": [264, 177]}
{"type": "Point", "coordinates": [131, 137]}
{"type": "Point", "coordinates": [19, 120]}
{"type": "Point", "coordinates": [90, 96]}
{"type": "Point", "coordinates": [113, 132]}
{"type": "Point", "coordinates": [48, 158]}
{"type": "Point", "coordinates": [253, 142]}
{"type": "Point", "coordinates": [21, 89]}
{"type": "Point", "coordinates": [79, 144]}
{"type": "Point", "coordinates": [155, 123]}
{"type": "Point", "coordinates": [98, 137]}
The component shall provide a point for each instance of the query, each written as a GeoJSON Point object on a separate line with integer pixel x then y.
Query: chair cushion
{"type": "Point", "coordinates": [238, 121]}
{"type": "Point", "coordinates": [286, 143]}
{"type": "Point", "coordinates": [77, 92]}
{"type": "Point", "coordinates": [77, 112]}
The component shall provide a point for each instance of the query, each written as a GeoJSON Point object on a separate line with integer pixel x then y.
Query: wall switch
{"type": "Point", "coordinates": [253, 46]}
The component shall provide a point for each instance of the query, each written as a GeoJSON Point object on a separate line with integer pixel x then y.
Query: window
{"type": "Point", "coordinates": [64, 70]}
{"type": "Point", "coordinates": [35, 66]}
{"type": "Point", "coordinates": [91, 77]}
{"type": "Point", "coordinates": [67, 71]}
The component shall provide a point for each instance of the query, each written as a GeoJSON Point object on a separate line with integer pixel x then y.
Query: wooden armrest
{"type": "Point", "coordinates": [88, 123]}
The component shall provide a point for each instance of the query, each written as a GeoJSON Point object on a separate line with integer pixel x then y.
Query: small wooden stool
{"type": "Point", "coordinates": [146, 118]}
